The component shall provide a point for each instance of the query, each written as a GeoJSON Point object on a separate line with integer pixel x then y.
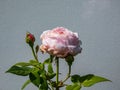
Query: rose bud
{"type": "Point", "coordinates": [30, 39]}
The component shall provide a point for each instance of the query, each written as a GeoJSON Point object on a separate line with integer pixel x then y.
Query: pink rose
{"type": "Point", "coordinates": [60, 42]}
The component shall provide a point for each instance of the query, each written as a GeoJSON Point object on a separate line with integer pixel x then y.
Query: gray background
{"type": "Point", "coordinates": [96, 21]}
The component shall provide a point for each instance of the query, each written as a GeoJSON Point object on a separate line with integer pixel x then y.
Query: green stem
{"type": "Point", "coordinates": [68, 75]}
{"type": "Point", "coordinates": [51, 84]}
{"type": "Point", "coordinates": [34, 54]}
{"type": "Point", "coordinates": [57, 73]}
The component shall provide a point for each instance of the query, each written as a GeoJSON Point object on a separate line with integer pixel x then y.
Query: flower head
{"type": "Point", "coordinates": [60, 42]}
{"type": "Point", "coordinates": [30, 39]}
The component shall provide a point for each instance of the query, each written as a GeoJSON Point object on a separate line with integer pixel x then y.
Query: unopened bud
{"type": "Point", "coordinates": [30, 39]}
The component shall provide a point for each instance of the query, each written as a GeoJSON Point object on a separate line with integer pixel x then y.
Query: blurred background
{"type": "Point", "coordinates": [96, 21]}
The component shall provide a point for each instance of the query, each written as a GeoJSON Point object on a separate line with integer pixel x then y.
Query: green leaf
{"type": "Point", "coordinates": [41, 66]}
{"type": "Point", "coordinates": [75, 78]}
{"type": "Point", "coordinates": [77, 87]}
{"type": "Point", "coordinates": [38, 78]}
{"type": "Point", "coordinates": [43, 74]}
{"type": "Point", "coordinates": [37, 49]}
{"type": "Point", "coordinates": [50, 76]}
{"type": "Point", "coordinates": [30, 63]}
{"type": "Point", "coordinates": [73, 87]}
{"type": "Point", "coordinates": [22, 71]}
{"type": "Point", "coordinates": [43, 85]}
{"type": "Point", "coordinates": [50, 69]}
{"type": "Point", "coordinates": [47, 61]}
{"type": "Point", "coordinates": [91, 79]}
{"type": "Point", "coordinates": [33, 62]}
{"type": "Point", "coordinates": [69, 59]}
{"type": "Point", "coordinates": [85, 77]}
{"type": "Point", "coordinates": [25, 84]}
{"type": "Point", "coordinates": [23, 64]}
{"type": "Point", "coordinates": [53, 83]}
{"type": "Point", "coordinates": [35, 77]}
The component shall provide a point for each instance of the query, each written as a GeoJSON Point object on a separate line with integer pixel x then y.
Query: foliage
{"type": "Point", "coordinates": [42, 74]}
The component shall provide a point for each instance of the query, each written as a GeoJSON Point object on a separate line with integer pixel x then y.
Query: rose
{"type": "Point", "coordinates": [30, 39]}
{"type": "Point", "coordinates": [60, 42]}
